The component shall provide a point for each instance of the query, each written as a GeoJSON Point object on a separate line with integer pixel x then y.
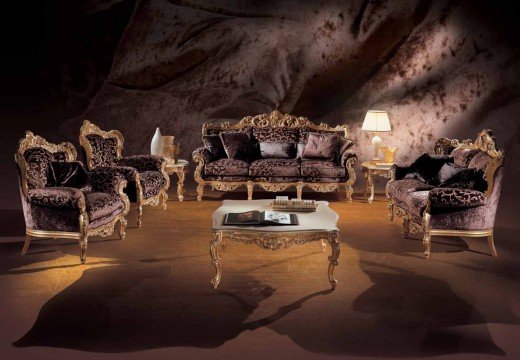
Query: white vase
{"type": "Point", "coordinates": [156, 147]}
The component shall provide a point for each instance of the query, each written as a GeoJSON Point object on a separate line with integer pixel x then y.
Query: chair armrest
{"type": "Point", "coordinates": [107, 181]}
{"type": "Point", "coordinates": [453, 198]}
{"type": "Point", "coordinates": [346, 156]}
{"type": "Point", "coordinates": [143, 162]}
{"type": "Point", "coordinates": [130, 174]}
{"type": "Point", "coordinates": [201, 155]}
{"type": "Point", "coordinates": [57, 197]}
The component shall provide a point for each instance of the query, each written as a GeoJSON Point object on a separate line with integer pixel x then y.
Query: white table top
{"type": "Point", "coordinates": [323, 219]}
{"type": "Point", "coordinates": [179, 163]}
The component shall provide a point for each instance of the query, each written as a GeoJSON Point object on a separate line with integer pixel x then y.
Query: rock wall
{"type": "Point", "coordinates": [440, 68]}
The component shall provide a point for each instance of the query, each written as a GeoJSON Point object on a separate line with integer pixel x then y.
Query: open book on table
{"type": "Point", "coordinates": [255, 217]}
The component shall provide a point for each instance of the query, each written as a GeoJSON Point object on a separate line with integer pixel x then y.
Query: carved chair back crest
{"type": "Point", "coordinates": [485, 142]}
{"type": "Point", "coordinates": [32, 158]}
{"type": "Point", "coordinates": [87, 130]}
{"type": "Point", "coordinates": [275, 119]}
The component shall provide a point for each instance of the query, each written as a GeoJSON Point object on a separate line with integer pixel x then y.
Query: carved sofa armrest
{"type": "Point", "coordinates": [57, 197]}
{"type": "Point", "coordinates": [201, 155]}
{"type": "Point", "coordinates": [452, 198]}
{"type": "Point", "coordinates": [143, 162]}
{"type": "Point", "coordinates": [107, 181]}
{"type": "Point", "coordinates": [348, 157]}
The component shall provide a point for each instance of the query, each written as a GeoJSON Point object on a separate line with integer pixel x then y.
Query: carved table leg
{"type": "Point", "coordinates": [365, 178]}
{"type": "Point", "coordinates": [333, 259]}
{"type": "Point", "coordinates": [139, 214]}
{"type": "Point", "coordinates": [215, 257]}
{"type": "Point", "coordinates": [180, 184]}
{"type": "Point", "coordinates": [122, 226]}
{"type": "Point", "coordinates": [371, 187]}
{"type": "Point", "coordinates": [406, 227]}
{"type": "Point", "coordinates": [323, 245]}
{"type": "Point", "coordinates": [391, 211]}
{"type": "Point", "coordinates": [164, 199]}
{"type": "Point", "coordinates": [83, 243]}
{"type": "Point", "coordinates": [348, 192]}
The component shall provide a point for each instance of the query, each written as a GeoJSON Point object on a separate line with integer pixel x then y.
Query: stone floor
{"type": "Point", "coordinates": [149, 296]}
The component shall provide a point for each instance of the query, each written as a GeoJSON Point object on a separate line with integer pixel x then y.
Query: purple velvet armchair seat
{"type": "Point", "coordinates": [275, 152]}
{"type": "Point", "coordinates": [60, 199]}
{"type": "Point", "coordinates": [147, 179]}
{"type": "Point", "coordinates": [452, 193]}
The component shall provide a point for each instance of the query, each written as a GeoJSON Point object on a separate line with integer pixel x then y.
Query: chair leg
{"type": "Point", "coordinates": [83, 242]}
{"type": "Point", "coordinates": [491, 244]}
{"type": "Point", "coordinates": [427, 242]}
{"type": "Point", "coordinates": [164, 199]}
{"type": "Point", "coordinates": [391, 211]}
{"type": "Point", "coordinates": [122, 227]}
{"type": "Point", "coordinates": [139, 214]}
{"type": "Point", "coordinates": [26, 245]}
{"type": "Point", "coordinates": [200, 192]}
{"type": "Point", "coordinates": [406, 227]}
{"type": "Point", "coordinates": [299, 190]}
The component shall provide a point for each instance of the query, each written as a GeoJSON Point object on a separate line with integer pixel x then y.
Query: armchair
{"type": "Point", "coordinates": [452, 193]}
{"type": "Point", "coordinates": [61, 200]}
{"type": "Point", "coordinates": [148, 181]}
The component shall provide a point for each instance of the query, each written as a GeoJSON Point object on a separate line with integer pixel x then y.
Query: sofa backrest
{"type": "Point", "coordinates": [480, 154]}
{"type": "Point", "coordinates": [34, 156]}
{"type": "Point", "coordinates": [275, 127]}
{"type": "Point", "coordinates": [101, 148]}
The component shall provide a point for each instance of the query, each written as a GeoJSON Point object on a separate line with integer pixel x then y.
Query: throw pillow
{"type": "Point", "coordinates": [343, 145]}
{"type": "Point", "coordinates": [479, 161]}
{"type": "Point", "coordinates": [237, 145]}
{"type": "Point", "coordinates": [320, 146]}
{"type": "Point", "coordinates": [299, 150]}
{"type": "Point", "coordinates": [276, 150]}
{"type": "Point", "coordinates": [214, 144]}
{"type": "Point", "coordinates": [447, 171]}
{"type": "Point", "coordinates": [466, 179]}
{"type": "Point", "coordinates": [462, 156]}
{"type": "Point", "coordinates": [68, 174]}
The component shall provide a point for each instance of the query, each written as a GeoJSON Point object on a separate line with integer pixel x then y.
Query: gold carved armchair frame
{"type": "Point", "coordinates": [485, 142]}
{"type": "Point", "coordinates": [34, 141]}
{"type": "Point", "coordinates": [89, 128]}
{"type": "Point", "coordinates": [275, 119]}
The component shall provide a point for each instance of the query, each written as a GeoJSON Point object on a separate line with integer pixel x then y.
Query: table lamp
{"type": "Point", "coordinates": [376, 121]}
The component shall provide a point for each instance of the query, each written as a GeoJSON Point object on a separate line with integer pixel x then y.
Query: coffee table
{"type": "Point", "coordinates": [316, 226]}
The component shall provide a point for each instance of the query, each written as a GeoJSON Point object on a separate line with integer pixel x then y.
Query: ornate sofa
{"type": "Point", "coordinates": [275, 174]}
{"type": "Point", "coordinates": [453, 193]}
{"type": "Point", "coordinates": [147, 178]}
{"type": "Point", "coordinates": [61, 200]}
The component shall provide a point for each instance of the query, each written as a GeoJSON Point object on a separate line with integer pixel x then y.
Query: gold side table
{"type": "Point", "coordinates": [178, 168]}
{"type": "Point", "coordinates": [369, 170]}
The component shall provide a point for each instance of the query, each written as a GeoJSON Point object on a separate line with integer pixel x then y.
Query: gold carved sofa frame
{"type": "Point", "coordinates": [484, 142]}
{"type": "Point", "coordinates": [275, 119]}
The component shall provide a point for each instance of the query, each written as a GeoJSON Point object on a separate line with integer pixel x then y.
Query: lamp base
{"type": "Point", "coordinates": [376, 143]}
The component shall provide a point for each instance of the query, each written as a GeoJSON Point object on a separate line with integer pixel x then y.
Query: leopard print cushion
{"type": "Point", "coordinates": [283, 135]}
{"type": "Point", "coordinates": [57, 197]}
{"type": "Point", "coordinates": [232, 167]}
{"type": "Point", "coordinates": [143, 162]}
{"type": "Point", "coordinates": [322, 168]}
{"type": "Point", "coordinates": [152, 183]}
{"type": "Point", "coordinates": [275, 167]}
{"type": "Point", "coordinates": [104, 151]}
{"type": "Point", "coordinates": [37, 162]}
{"type": "Point", "coordinates": [456, 198]}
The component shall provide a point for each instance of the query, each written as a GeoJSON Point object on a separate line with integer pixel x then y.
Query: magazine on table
{"type": "Point", "coordinates": [255, 217]}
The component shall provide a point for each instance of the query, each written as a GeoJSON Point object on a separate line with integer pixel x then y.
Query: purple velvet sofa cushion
{"type": "Point", "coordinates": [342, 146]}
{"type": "Point", "coordinates": [58, 197]}
{"type": "Point", "coordinates": [462, 156]}
{"type": "Point", "coordinates": [104, 151]}
{"type": "Point", "coordinates": [151, 183]}
{"type": "Point", "coordinates": [101, 204]}
{"type": "Point", "coordinates": [456, 198]}
{"type": "Point", "coordinates": [320, 146]}
{"type": "Point", "coordinates": [214, 145]}
{"type": "Point", "coordinates": [322, 168]}
{"type": "Point", "coordinates": [275, 167]}
{"type": "Point", "coordinates": [38, 161]}
{"type": "Point", "coordinates": [237, 145]}
{"type": "Point", "coordinates": [229, 167]}
{"type": "Point", "coordinates": [479, 161]}
{"type": "Point", "coordinates": [68, 174]}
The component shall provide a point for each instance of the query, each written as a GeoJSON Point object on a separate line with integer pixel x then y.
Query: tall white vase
{"type": "Point", "coordinates": [156, 147]}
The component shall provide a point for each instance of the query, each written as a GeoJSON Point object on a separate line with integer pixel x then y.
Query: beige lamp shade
{"type": "Point", "coordinates": [376, 120]}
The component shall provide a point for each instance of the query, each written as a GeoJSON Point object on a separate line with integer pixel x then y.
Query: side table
{"type": "Point", "coordinates": [178, 168]}
{"type": "Point", "coordinates": [369, 170]}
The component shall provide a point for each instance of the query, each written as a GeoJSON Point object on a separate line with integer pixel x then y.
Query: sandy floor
{"type": "Point", "coordinates": [149, 296]}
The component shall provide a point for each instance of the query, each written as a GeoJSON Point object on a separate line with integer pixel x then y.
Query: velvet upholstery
{"type": "Point", "coordinates": [151, 183]}
{"type": "Point", "coordinates": [479, 161]}
{"type": "Point", "coordinates": [462, 156]}
{"type": "Point", "coordinates": [68, 174]}
{"type": "Point", "coordinates": [341, 148]}
{"type": "Point", "coordinates": [275, 167]}
{"type": "Point", "coordinates": [322, 168]}
{"type": "Point", "coordinates": [100, 205]}
{"type": "Point", "coordinates": [58, 197]}
{"type": "Point", "coordinates": [237, 145]}
{"type": "Point", "coordinates": [304, 133]}
{"type": "Point", "coordinates": [233, 167]}
{"type": "Point", "coordinates": [455, 198]}
{"type": "Point", "coordinates": [426, 168]}
{"type": "Point", "coordinates": [285, 135]}
{"type": "Point", "coordinates": [466, 179]}
{"type": "Point", "coordinates": [277, 150]}
{"type": "Point", "coordinates": [104, 151]}
{"type": "Point", "coordinates": [38, 161]}
{"type": "Point", "coordinates": [142, 162]}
